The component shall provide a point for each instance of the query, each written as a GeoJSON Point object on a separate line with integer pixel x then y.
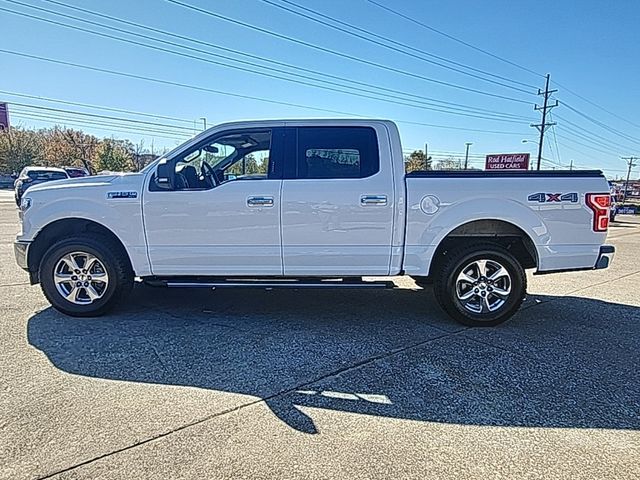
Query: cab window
{"type": "Point", "coordinates": [232, 157]}
{"type": "Point", "coordinates": [337, 152]}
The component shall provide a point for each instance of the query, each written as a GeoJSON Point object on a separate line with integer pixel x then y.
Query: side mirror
{"type": "Point", "coordinates": [165, 175]}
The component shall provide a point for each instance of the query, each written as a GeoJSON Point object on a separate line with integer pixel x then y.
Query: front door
{"type": "Point", "coordinates": [337, 202]}
{"type": "Point", "coordinates": [222, 216]}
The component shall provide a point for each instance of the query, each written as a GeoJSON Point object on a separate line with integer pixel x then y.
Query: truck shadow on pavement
{"type": "Point", "coordinates": [560, 362]}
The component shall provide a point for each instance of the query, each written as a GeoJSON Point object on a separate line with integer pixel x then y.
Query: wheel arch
{"type": "Point", "coordinates": [65, 228]}
{"type": "Point", "coordinates": [498, 231]}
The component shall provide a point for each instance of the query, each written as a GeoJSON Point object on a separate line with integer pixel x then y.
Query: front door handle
{"type": "Point", "coordinates": [373, 200]}
{"type": "Point", "coordinates": [260, 201]}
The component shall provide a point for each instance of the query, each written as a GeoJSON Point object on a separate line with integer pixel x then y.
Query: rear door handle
{"type": "Point", "coordinates": [373, 200]}
{"type": "Point", "coordinates": [260, 201]}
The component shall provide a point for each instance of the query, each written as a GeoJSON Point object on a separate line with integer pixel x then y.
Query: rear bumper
{"type": "Point", "coordinates": [607, 252]}
{"type": "Point", "coordinates": [604, 259]}
{"type": "Point", "coordinates": [21, 250]}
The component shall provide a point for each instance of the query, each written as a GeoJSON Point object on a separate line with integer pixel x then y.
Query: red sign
{"type": "Point", "coordinates": [507, 161]}
{"type": "Point", "coordinates": [4, 116]}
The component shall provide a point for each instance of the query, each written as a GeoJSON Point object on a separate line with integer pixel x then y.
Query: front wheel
{"type": "Point", "coordinates": [480, 285]}
{"type": "Point", "coordinates": [85, 276]}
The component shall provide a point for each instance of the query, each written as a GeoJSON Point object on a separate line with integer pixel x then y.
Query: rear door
{"type": "Point", "coordinates": [337, 201]}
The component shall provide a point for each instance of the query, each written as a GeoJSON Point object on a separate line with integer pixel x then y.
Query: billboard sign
{"type": "Point", "coordinates": [4, 116]}
{"type": "Point", "coordinates": [507, 161]}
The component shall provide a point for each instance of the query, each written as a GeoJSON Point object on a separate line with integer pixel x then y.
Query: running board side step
{"type": "Point", "coordinates": [269, 284]}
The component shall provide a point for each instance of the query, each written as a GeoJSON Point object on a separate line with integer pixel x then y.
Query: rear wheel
{"type": "Point", "coordinates": [85, 276]}
{"type": "Point", "coordinates": [480, 285]}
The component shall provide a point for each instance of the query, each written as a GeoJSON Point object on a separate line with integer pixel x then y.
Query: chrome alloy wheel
{"type": "Point", "coordinates": [80, 278]}
{"type": "Point", "coordinates": [483, 286]}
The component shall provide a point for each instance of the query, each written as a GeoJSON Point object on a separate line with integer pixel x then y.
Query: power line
{"type": "Point", "coordinates": [88, 125]}
{"type": "Point", "coordinates": [497, 57]}
{"type": "Point", "coordinates": [451, 37]}
{"type": "Point", "coordinates": [584, 134]}
{"type": "Point", "coordinates": [236, 95]}
{"type": "Point", "coordinates": [95, 115]}
{"type": "Point", "coordinates": [95, 107]}
{"type": "Point", "coordinates": [350, 81]}
{"type": "Point", "coordinates": [448, 110]}
{"type": "Point", "coordinates": [555, 140]}
{"type": "Point", "coordinates": [65, 122]}
{"type": "Point", "coordinates": [394, 42]}
{"type": "Point", "coordinates": [591, 102]}
{"type": "Point", "coordinates": [65, 114]}
{"type": "Point", "coordinates": [589, 146]}
{"type": "Point", "coordinates": [601, 124]}
{"type": "Point", "coordinates": [341, 54]}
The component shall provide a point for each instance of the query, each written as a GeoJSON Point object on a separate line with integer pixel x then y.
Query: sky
{"type": "Point", "coordinates": [590, 48]}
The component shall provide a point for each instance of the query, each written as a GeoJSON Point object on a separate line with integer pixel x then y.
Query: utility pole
{"type": "Point", "coordinates": [571, 165]}
{"type": "Point", "coordinates": [629, 161]}
{"type": "Point", "coordinates": [466, 155]}
{"type": "Point", "coordinates": [544, 108]}
{"type": "Point", "coordinates": [204, 121]}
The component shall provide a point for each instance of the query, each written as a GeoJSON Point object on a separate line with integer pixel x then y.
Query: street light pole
{"type": "Point", "coordinates": [204, 121]}
{"type": "Point", "coordinates": [530, 141]}
{"type": "Point", "coordinates": [426, 156]}
{"type": "Point", "coordinates": [466, 155]}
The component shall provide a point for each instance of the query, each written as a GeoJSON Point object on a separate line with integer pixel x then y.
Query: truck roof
{"type": "Point", "coordinates": [299, 122]}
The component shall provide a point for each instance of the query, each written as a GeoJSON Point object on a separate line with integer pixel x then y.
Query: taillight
{"type": "Point", "coordinates": [599, 203]}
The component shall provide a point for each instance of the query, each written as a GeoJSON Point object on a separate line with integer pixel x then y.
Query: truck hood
{"type": "Point", "coordinates": [90, 182]}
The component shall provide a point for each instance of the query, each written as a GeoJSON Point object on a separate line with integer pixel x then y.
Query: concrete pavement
{"type": "Point", "coordinates": [319, 384]}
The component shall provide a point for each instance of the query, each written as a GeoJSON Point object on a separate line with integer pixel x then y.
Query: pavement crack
{"type": "Point", "coordinates": [15, 284]}
{"type": "Point", "coordinates": [155, 353]}
{"type": "Point", "coordinates": [285, 391]}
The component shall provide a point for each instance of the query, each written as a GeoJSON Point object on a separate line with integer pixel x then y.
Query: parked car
{"type": "Point", "coordinates": [30, 176]}
{"type": "Point", "coordinates": [7, 181]}
{"type": "Point", "coordinates": [310, 204]}
{"type": "Point", "coordinates": [76, 172]}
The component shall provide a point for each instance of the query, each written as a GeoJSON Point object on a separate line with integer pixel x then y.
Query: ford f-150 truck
{"type": "Point", "coordinates": [310, 203]}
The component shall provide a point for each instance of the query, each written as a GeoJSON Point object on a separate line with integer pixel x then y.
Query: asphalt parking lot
{"type": "Point", "coordinates": [318, 384]}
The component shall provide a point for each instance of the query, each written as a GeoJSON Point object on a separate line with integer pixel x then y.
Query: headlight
{"type": "Point", "coordinates": [25, 204]}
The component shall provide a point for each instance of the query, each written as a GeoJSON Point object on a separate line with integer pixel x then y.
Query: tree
{"type": "Point", "coordinates": [139, 153]}
{"type": "Point", "coordinates": [449, 164]}
{"type": "Point", "coordinates": [114, 155]}
{"type": "Point", "coordinates": [19, 148]}
{"type": "Point", "coordinates": [416, 161]}
{"type": "Point", "coordinates": [249, 166]}
{"type": "Point", "coordinates": [68, 147]}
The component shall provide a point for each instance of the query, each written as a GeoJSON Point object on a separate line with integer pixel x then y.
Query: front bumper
{"type": "Point", "coordinates": [607, 252]}
{"type": "Point", "coordinates": [21, 250]}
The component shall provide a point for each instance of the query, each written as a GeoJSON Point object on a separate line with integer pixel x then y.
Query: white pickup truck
{"type": "Point", "coordinates": [310, 203]}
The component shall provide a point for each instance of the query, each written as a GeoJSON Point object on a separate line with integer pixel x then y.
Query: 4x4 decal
{"type": "Point", "coordinates": [553, 197]}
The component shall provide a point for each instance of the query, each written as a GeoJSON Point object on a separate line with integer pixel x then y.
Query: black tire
{"type": "Point", "coordinates": [445, 285]}
{"type": "Point", "coordinates": [111, 256]}
{"type": "Point", "coordinates": [423, 281]}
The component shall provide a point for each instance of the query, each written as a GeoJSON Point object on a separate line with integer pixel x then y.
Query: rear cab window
{"type": "Point", "coordinates": [46, 175]}
{"type": "Point", "coordinates": [336, 152]}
